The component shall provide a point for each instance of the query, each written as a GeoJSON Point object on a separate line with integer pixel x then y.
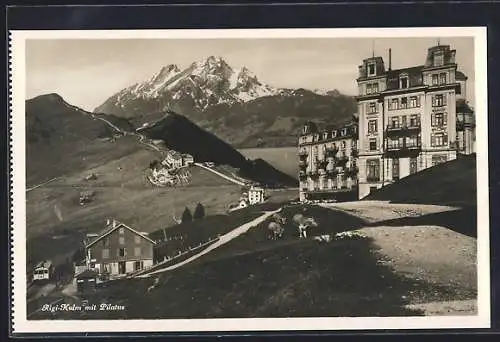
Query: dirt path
{"type": "Point", "coordinates": [423, 252]}
{"type": "Point", "coordinates": [222, 240]}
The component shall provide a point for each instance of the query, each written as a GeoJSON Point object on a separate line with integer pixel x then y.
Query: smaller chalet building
{"type": "Point", "coordinates": [118, 250]}
{"type": "Point", "coordinates": [256, 195]}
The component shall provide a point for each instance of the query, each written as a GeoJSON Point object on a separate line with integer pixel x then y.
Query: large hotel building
{"type": "Point", "coordinates": [408, 120]}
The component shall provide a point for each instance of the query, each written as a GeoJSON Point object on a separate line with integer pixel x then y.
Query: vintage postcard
{"type": "Point", "coordinates": [249, 180]}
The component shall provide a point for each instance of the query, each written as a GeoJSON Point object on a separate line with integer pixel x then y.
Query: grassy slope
{"type": "Point", "coordinates": [451, 183]}
{"type": "Point", "coordinates": [254, 277]}
{"type": "Point", "coordinates": [124, 194]}
{"type": "Point", "coordinates": [282, 158]}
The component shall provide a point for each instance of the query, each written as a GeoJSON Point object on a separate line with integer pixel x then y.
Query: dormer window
{"type": "Point", "coordinates": [371, 69]}
{"type": "Point", "coordinates": [334, 135]}
{"type": "Point", "coordinates": [403, 82]}
{"type": "Point", "coordinates": [344, 131]}
{"type": "Point", "coordinates": [325, 135]}
{"type": "Point", "coordinates": [438, 58]}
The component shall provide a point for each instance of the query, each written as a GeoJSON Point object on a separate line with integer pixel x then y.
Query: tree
{"type": "Point", "coordinates": [186, 215]}
{"type": "Point", "coordinates": [199, 212]}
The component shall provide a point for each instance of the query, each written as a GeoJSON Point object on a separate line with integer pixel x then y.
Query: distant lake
{"type": "Point", "coordinates": [282, 158]}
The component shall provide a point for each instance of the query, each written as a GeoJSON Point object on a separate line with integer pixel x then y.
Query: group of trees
{"type": "Point", "coordinates": [199, 213]}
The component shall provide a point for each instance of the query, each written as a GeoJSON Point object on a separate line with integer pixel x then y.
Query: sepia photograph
{"type": "Point", "coordinates": [254, 175]}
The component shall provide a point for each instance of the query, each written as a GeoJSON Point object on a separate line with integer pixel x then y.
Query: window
{"type": "Point", "coordinates": [438, 159]}
{"type": "Point", "coordinates": [394, 122]}
{"type": "Point", "coordinates": [413, 165]}
{"type": "Point", "coordinates": [414, 102]}
{"type": "Point", "coordinates": [122, 230]}
{"type": "Point", "coordinates": [403, 121]}
{"type": "Point", "coordinates": [372, 126]}
{"type": "Point", "coordinates": [121, 240]}
{"type": "Point", "coordinates": [403, 82]}
{"type": "Point", "coordinates": [325, 135]}
{"type": "Point", "coordinates": [395, 169]}
{"type": "Point", "coordinates": [442, 78]}
{"type": "Point", "coordinates": [368, 88]}
{"type": "Point", "coordinates": [412, 141]}
{"type": "Point", "coordinates": [105, 253]}
{"type": "Point", "coordinates": [438, 58]}
{"type": "Point", "coordinates": [438, 100]}
{"type": "Point", "coordinates": [404, 102]}
{"type": "Point", "coordinates": [373, 170]}
{"type": "Point", "coordinates": [105, 242]}
{"type": "Point", "coordinates": [435, 79]}
{"type": "Point", "coordinates": [439, 139]}
{"type": "Point", "coordinates": [137, 251]}
{"type": "Point", "coordinates": [438, 120]}
{"type": "Point", "coordinates": [372, 107]}
{"type": "Point", "coordinates": [375, 88]}
{"type": "Point", "coordinates": [414, 120]}
{"type": "Point", "coordinates": [373, 189]}
{"type": "Point", "coordinates": [395, 104]}
{"type": "Point", "coordinates": [371, 69]}
{"type": "Point", "coordinates": [393, 144]}
{"type": "Point", "coordinates": [342, 144]}
{"type": "Point", "coordinates": [137, 239]}
{"type": "Point", "coordinates": [334, 134]}
{"type": "Point", "coordinates": [138, 265]}
{"type": "Point", "coordinates": [122, 252]}
{"type": "Point", "coordinates": [373, 144]}
{"type": "Point", "coordinates": [344, 131]}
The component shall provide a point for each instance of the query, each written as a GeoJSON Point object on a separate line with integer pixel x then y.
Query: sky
{"type": "Point", "coordinates": [85, 72]}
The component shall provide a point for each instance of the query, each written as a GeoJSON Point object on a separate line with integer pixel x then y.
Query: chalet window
{"type": "Point", "coordinates": [137, 251]}
{"type": "Point", "coordinates": [121, 240]}
{"type": "Point", "coordinates": [442, 78]}
{"type": "Point", "coordinates": [438, 119]}
{"type": "Point", "coordinates": [371, 69]}
{"type": "Point", "coordinates": [372, 107]}
{"type": "Point", "coordinates": [414, 102]}
{"type": "Point", "coordinates": [404, 102]}
{"type": "Point", "coordinates": [394, 122]}
{"type": "Point", "coordinates": [414, 120]}
{"type": "Point", "coordinates": [137, 239]}
{"type": "Point", "coordinates": [435, 79]}
{"type": "Point", "coordinates": [373, 169]}
{"type": "Point", "coordinates": [395, 104]}
{"type": "Point", "coordinates": [372, 126]}
{"type": "Point", "coordinates": [403, 121]}
{"type": "Point", "coordinates": [122, 230]}
{"type": "Point", "coordinates": [373, 144]}
{"type": "Point", "coordinates": [105, 241]}
{"type": "Point", "coordinates": [438, 100]}
{"type": "Point", "coordinates": [439, 139]}
{"type": "Point", "coordinates": [105, 253]}
{"type": "Point", "coordinates": [122, 252]}
{"type": "Point", "coordinates": [403, 82]}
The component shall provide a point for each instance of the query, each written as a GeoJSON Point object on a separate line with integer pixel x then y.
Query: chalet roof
{"type": "Point", "coordinates": [111, 227]}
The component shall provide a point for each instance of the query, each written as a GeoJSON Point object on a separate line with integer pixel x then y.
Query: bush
{"type": "Point", "coordinates": [186, 215]}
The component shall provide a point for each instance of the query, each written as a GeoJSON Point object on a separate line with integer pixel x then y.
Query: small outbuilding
{"type": "Point", "coordinates": [86, 281]}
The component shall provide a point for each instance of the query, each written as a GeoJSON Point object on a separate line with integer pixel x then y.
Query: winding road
{"type": "Point", "coordinates": [220, 174]}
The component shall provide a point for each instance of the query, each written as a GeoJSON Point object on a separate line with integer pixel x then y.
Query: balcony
{"type": "Point", "coordinates": [403, 130]}
{"type": "Point", "coordinates": [403, 150]}
{"type": "Point", "coordinates": [331, 152]}
{"type": "Point", "coordinates": [313, 174]}
{"type": "Point", "coordinates": [303, 154]}
{"type": "Point", "coordinates": [342, 161]}
{"type": "Point", "coordinates": [373, 178]}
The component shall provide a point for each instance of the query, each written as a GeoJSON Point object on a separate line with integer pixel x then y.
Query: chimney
{"type": "Point", "coordinates": [390, 60]}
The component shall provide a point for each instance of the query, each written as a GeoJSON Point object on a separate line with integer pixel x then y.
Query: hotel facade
{"type": "Point", "coordinates": [408, 120]}
{"type": "Point", "coordinates": [327, 162]}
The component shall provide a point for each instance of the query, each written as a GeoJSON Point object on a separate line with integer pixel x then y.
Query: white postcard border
{"type": "Point", "coordinates": [18, 229]}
